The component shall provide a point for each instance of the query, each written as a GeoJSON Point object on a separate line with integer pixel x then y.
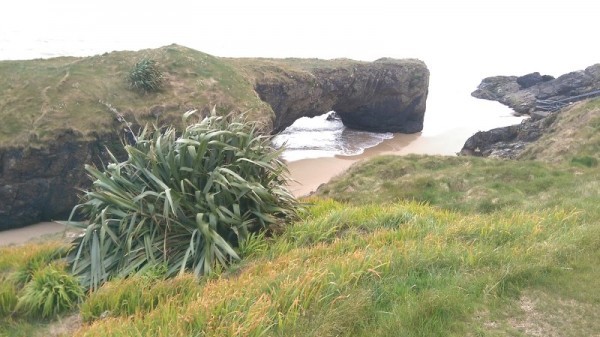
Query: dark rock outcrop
{"type": "Point", "coordinates": [383, 96]}
{"type": "Point", "coordinates": [530, 94]}
{"type": "Point", "coordinates": [532, 79]}
{"type": "Point", "coordinates": [523, 93]}
{"type": "Point", "coordinates": [42, 183]}
{"type": "Point", "coordinates": [507, 142]}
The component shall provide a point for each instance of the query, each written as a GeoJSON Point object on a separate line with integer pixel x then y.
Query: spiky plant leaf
{"type": "Point", "coordinates": [145, 76]}
{"type": "Point", "coordinates": [181, 201]}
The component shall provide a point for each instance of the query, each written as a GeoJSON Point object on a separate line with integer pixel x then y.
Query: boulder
{"type": "Point", "coordinates": [532, 79]}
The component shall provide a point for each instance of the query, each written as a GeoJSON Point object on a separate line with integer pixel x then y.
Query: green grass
{"type": "Point", "coordinates": [467, 184]}
{"type": "Point", "coordinates": [405, 269]}
{"type": "Point", "coordinates": [413, 246]}
{"type": "Point", "coordinates": [394, 267]}
{"type": "Point", "coordinates": [41, 99]}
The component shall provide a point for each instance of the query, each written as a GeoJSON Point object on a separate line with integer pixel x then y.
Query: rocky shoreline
{"type": "Point", "coordinates": [540, 96]}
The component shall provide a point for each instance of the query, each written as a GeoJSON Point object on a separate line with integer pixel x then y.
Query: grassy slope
{"type": "Point", "coordinates": [492, 248]}
{"type": "Point", "coordinates": [40, 98]}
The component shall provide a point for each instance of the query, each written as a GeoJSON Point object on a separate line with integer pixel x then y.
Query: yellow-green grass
{"type": "Point", "coordinates": [388, 267]}
{"type": "Point", "coordinates": [574, 136]}
{"type": "Point", "coordinates": [405, 269]}
{"type": "Point", "coordinates": [468, 184]}
{"type": "Point", "coordinates": [42, 99]}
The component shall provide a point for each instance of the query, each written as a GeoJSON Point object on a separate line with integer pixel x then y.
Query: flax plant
{"type": "Point", "coordinates": [182, 201]}
{"type": "Point", "coordinates": [145, 76]}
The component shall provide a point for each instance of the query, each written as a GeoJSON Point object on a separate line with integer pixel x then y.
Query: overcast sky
{"type": "Point", "coordinates": [459, 40]}
{"type": "Point", "coordinates": [367, 30]}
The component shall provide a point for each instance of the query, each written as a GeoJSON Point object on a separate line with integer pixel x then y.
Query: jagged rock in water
{"type": "Point", "coordinates": [522, 93]}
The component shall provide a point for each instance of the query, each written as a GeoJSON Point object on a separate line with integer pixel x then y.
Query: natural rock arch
{"type": "Point", "coordinates": [384, 96]}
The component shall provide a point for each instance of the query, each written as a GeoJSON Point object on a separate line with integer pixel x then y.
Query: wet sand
{"type": "Point", "coordinates": [22, 235]}
{"type": "Point", "coordinates": [307, 174]}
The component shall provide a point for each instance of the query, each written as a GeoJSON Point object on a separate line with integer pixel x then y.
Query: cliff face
{"type": "Point", "coordinates": [42, 183]}
{"type": "Point", "coordinates": [59, 114]}
{"type": "Point", "coordinates": [383, 96]}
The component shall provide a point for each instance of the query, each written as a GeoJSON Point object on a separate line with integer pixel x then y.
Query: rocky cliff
{"type": "Point", "coordinates": [383, 96]}
{"type": "Point", "coordinates": [541, 96]}
{"type": "Point", "coordinates": [524, 93]}
{"type": "Point", "coordinates": [59, 114]}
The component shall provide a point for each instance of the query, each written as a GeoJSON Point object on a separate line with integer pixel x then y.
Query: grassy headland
{"type": "Point", "coordinates": [41, 98]}
{"type": "Point", "coordinates": [397, 246]}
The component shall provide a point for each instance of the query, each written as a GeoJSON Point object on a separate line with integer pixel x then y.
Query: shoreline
{"type": "Point", "coordinates": [308, 174]}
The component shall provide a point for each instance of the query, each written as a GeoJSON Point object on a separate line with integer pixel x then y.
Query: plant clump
{"type": "Point", "coordinates": [51, 291]}
{"type": "Point", "coordinates": [185, 201]}
{"type": "Point", "coordinates": [146, 76]}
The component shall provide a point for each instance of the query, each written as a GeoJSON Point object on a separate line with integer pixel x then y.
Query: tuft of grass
{"type": "Point", "coordinates": [51, 291]}
{"type": "Point", "coordinates": [22, 262]}
{"type": "Point", "coordinates": [8, 297]}
{"type": "Point", "coordinates": [404, 269]}
{"type": "Point", "coordinates": [137, 295]}
{"type": "Point", "coordinates": [586, 161]}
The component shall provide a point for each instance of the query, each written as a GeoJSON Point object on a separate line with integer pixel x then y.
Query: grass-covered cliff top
{"type": "Point", "coordinates": [411, 246]}
{"type": "Point", "coordinates": [43, 99]}
{"type": "Point", "coordinates": [40, 99]}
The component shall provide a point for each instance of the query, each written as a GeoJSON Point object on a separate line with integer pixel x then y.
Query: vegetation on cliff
{"type": "Point", "coordinates": [414, 246]}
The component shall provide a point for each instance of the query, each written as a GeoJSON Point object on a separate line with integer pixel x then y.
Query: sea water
{"type": "Point", "coordinates": [321, 136]}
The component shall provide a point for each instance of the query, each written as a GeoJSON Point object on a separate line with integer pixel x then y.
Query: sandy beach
{"type": "Point", "coordinates": [21, 235]}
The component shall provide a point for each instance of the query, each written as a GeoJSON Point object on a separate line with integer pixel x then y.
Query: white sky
{"type": "Point", "coordinates": [532, 30]}
{"type": "Point", "coordinates": [461, 41]}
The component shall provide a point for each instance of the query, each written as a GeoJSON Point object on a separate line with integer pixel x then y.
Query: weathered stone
{"type": "Point", "coordinates": [532, 79]}
{"type": "Point", "coordinates": [522, 93]}
{"type": "Point", "coordinates": [42, 183]}
{"type": "Point", "coordinates": [384, 96]}
{"type": "Point", "coordinates": [509, 141]}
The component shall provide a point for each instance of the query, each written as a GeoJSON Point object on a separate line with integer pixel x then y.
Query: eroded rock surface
{"type": "Point", "coordinates": [384, 96]}
{"type": "Point", "coordinates": [507, 142]}
{"type": "Point", "coordinates": [528, 94]}
{"type": "Point", "coordinates": [522, 94]}
{"type": "Point", "coordinates": [42, 183]}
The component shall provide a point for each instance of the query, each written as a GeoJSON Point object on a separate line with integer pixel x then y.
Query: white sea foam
{"type": "Point", "coordinates": [319, 137]}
